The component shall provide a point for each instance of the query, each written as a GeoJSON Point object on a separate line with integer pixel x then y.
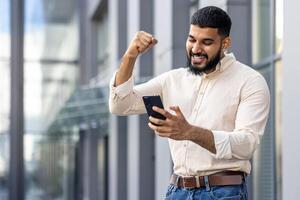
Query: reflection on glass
{"type": "Point", "coordinates": [279, 25]}
{"type": "Point", "coordinates": [50, 77]}
{"type": "Point", "coordinates": [194, 5]}
{"type": "Point", "coordinates": [51, 31]}
{"type": "Point", "coordinates": [103, 51]}
{"type": "Point", "coordinates": [4, 96]}
{"type": "Point", "coordinates": [262, 30]}
{"type": "Point", "coordinates": [278, 97]}
{"type": "Point", "coordinates": [264, 181]}
{"type": "Point", "coordinates": [266, 44]}
{"type": "Point", "coordinates": [103, 167]}
{"type": "Point", "coordinates": [50, 162]}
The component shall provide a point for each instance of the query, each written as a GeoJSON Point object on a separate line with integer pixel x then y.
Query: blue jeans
{"type": "Point", "coordinates": [231, 192]}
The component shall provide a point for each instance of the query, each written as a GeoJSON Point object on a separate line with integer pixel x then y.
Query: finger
{"type": "Point", "coordinates": [145, 42]}
{"type": "Point", "coordinates": [146, 34]}
{"type": "Point", "coordinates": [160, 129]}
{"type": "Point", "coordinates": [143, 45]}
{"type": "Point", "coordinates": [152, 126]}
{"type": "Point", "coordinates": [140, 46]}
{"type": "Point", "coordinates": [177, 110]}
{"type": "Point", "coordinates": [158, 121]}
{"type": "Point", "coordinates": [146, 39]}
{"type": "Point", "coordinates": [150, 42]}
{"type": "Point", "coordinates": [154, 41]}
{"type": "Point", "coordinates": [163, 112]}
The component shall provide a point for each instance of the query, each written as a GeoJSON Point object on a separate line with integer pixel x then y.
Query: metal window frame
{"type": "Point", "coordinates": [16, 173]}
{"type": "Point", "coordinates": [269, 62]}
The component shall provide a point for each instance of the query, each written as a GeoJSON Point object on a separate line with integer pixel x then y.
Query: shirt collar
{"type": "Point", "coordinates": [221, 66]}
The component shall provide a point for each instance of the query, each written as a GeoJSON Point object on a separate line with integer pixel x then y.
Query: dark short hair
{"type": "Point", "coordinates": [212, 17]}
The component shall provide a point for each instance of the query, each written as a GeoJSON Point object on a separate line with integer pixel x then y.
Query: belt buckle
{"type": "Point", "coordinates": [184, 183]}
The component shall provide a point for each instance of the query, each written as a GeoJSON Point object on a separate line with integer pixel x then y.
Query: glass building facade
{"type": "Point", "coordinates": [267, 29]}
{"type": "Point", "coordinates": [4, 96]}
{"type": "Point", "coordinates": [50, 77]}
{"type": "Point", "coordinates": [73, 148]}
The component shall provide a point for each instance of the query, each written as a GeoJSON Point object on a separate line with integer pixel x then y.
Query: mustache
{"type": "Point", "coordinates": [199, 54]}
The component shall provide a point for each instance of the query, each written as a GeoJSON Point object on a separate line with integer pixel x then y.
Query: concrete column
{"type": "Point", "coordinates": [133, 169]}
{"type": "Point", "coordinates": [162, 63]}
{"type": "Point", "coordinates": [118, 158]}
{"type": "Point", "coordinates": [180, 30]}
{"type": "Point", "coordinates": [133, 121]}
{"type": "Point", "coordinates": [88, 43]}
{"type": "Point", "coordinates": [16, 176]}
{"type": "Point", "coordinates": [290, 102]}
{"type": "Point", "coordinates": [241, 14]}
{"type": "Point", "coordinates": [219, 3]}
{"type": "Point", "coordinates": [146, 141]}
{"type": "Point", "coordinates": [89, 140]}
{"type": "Point", "coordinates": [117, 14]}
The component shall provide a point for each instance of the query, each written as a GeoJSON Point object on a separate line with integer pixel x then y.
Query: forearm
{"type": "Point", "coordinates": [202, 137]}
{"type": "Point", "coordinates": [125, 70]}
{"type": "Point", "coordinates": [141, 43]}
{"type": "Point", "coordinates": [239, 143]}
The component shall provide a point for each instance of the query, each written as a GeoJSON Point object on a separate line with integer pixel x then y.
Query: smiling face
{"type": "Point", "coordinates": [204, 48]}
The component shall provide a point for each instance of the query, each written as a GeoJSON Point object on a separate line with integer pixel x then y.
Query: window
{"type": "Point", "coordinates": [4, 96]}
{"type": "Point", "coordinates": [103, 51]}
{"type": "Point", "coordinates": [50, 76]}
{"type": "Point", "coordinates": [267, 46]}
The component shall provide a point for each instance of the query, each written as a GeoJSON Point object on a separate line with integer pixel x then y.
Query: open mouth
{"type": "Point", "coordinates": [198, 59]}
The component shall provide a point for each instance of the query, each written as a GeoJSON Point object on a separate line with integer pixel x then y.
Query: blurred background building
{"type": "Point", "coordinates": [67, 146]}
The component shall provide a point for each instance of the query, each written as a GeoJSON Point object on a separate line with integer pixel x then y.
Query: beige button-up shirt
{"type": "Point", "coordinates": [232, 102]}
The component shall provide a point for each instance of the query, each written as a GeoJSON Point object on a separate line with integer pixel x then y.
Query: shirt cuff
{"type": "Point", "coordinates": [121, 90]}
{"type": "Point", "coordinates": [222, 144]}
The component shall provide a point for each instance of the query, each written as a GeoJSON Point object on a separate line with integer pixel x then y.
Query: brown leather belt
{"type": "Point", "coordinates": [218, 179]}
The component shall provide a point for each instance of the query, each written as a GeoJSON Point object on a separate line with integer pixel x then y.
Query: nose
{"type": "Point", "coordinates": [196, 48]}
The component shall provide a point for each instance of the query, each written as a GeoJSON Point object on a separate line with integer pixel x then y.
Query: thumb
{"type": "Point", "coordinates": [153, 42]}
{"type": "Point", "coordinates": [177, 110]}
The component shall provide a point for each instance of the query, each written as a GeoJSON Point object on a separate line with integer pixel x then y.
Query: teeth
{"type": "Point", "coordinates": [199, 56]}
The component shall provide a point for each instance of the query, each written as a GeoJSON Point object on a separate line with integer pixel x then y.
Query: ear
{"type": "Point", "coordinates": [226, 43]}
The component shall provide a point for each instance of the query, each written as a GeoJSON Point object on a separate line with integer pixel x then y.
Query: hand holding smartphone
{"type": "Point", "coordinates": [151, 101]}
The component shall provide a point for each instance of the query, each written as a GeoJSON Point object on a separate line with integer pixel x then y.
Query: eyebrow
{"type": "Point", "coordinates": [208, 40]}
{"type": "Point", "coordinates": [205, 39]}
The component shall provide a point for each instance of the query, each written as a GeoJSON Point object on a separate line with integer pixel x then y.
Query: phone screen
{"type": "Point", "coordinates": [151, 101]}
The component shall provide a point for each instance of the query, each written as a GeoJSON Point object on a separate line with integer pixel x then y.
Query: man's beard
{"type": "Point", "coordinates": [210, 65]}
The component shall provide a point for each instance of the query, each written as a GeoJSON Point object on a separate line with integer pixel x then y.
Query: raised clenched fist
{"type": "Point", "coordinates": [141, 42]}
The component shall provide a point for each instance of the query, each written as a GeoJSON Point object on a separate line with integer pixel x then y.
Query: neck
{"type": "Point", "coordinates": [213, 69]}
{"type": "Point", "coordinates": [222, 55]}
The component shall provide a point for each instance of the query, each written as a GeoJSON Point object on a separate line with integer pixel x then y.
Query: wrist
{"type": "Point", "coordinates": [189, 131]}
{"type": "Point", "coordinates": [130, 55]}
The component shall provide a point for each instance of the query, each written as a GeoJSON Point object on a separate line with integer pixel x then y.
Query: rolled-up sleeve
{"type": "Point", "coordinates": [251, 119]}
{"type": "Point", "coordinates": [122, 90]}
{"type": "Point", "coordinates": [126, 99]}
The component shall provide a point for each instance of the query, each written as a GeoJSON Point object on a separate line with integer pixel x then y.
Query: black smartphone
{"type": "Point", "coordinates": [151, 101]}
